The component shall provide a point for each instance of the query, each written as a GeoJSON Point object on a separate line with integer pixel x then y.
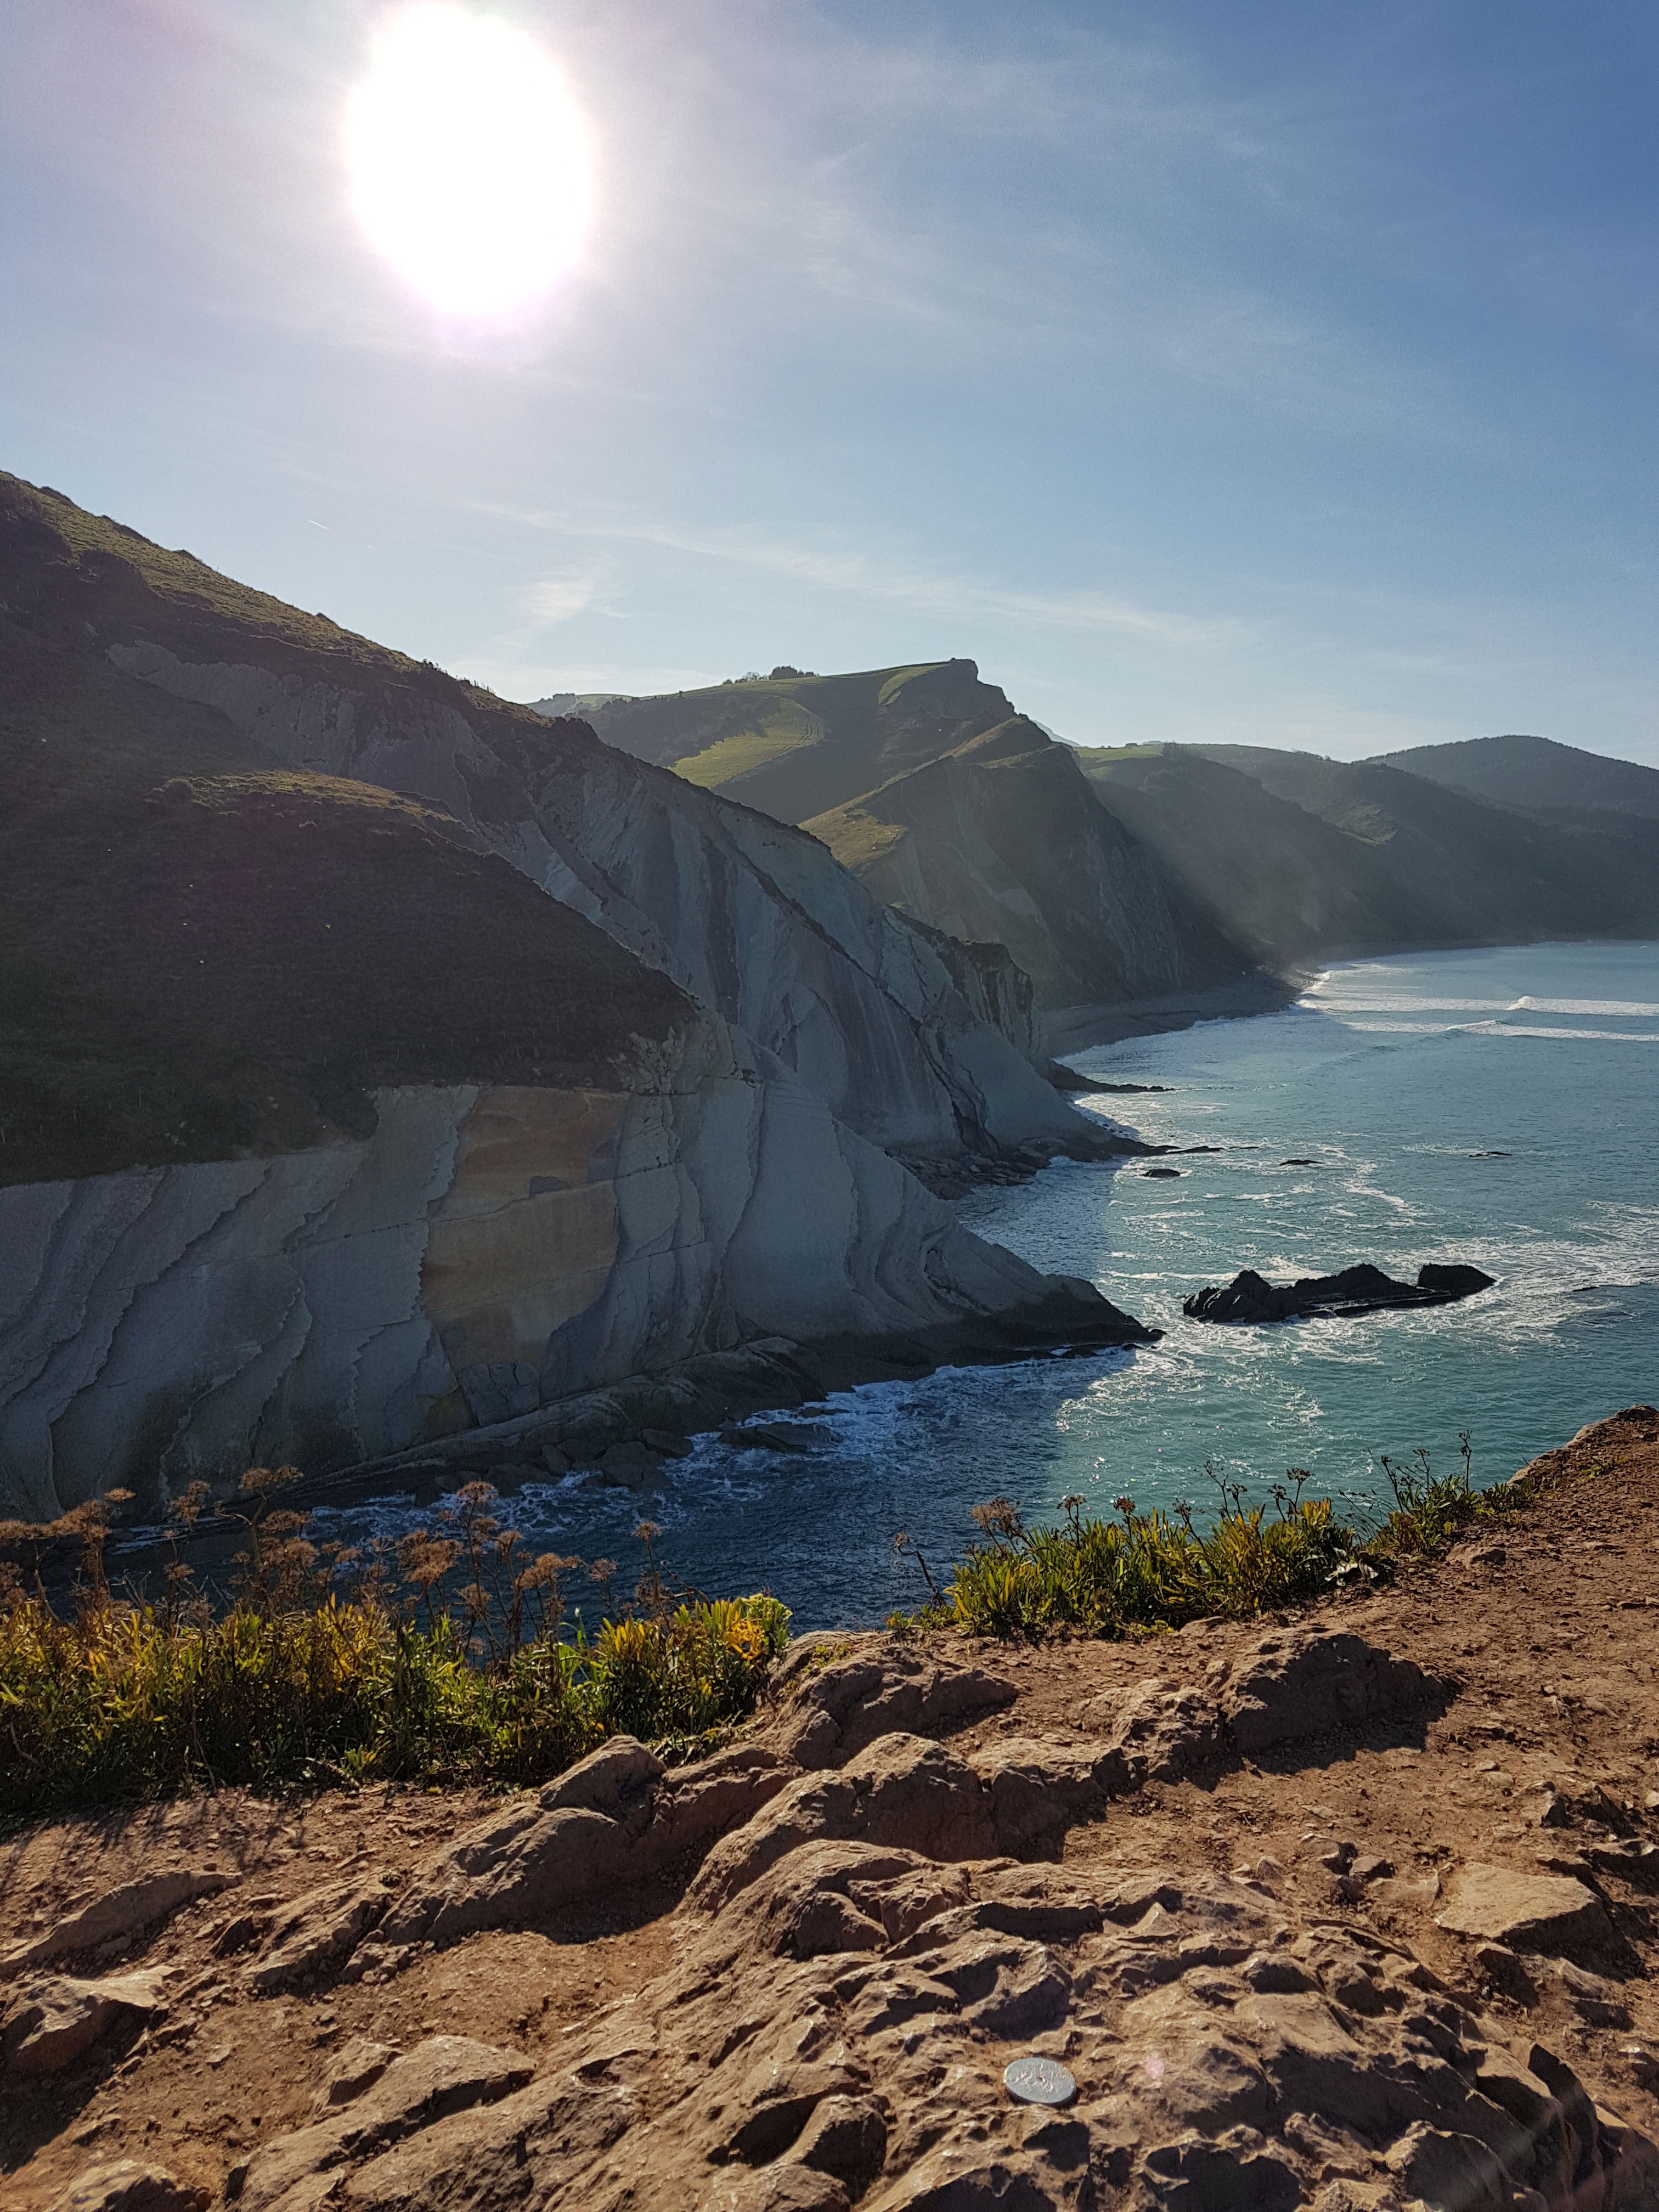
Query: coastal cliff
{"type": "Point", "coordinates": [488, 1251]}
{"type": "Point", "coordinates": [340, 1114]}
{"type": "Point", "coordinates": [751, 917]}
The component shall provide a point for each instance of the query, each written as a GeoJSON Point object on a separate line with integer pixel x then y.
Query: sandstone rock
{"type": "Point", "coordinates": [1289, 1684]}
{"type": "Point", "coordinates": [1295, 1683]}
{"type": "Point", "coordinates": [317, 1932]}
{"type": "Point", "coordinates": [1445, 2169]}
{"type": "Point", "coordinates": [119, 1913]}
{"type": "Point", "coordinates": [1592, 1996]}
{"type": "Point", "coordinates": [776, 2189]}
{"type": "Point", "coordinates": [873, 1690]}
{"type": "Point", "coordinates": [820, 2039]}
{"type": "Point", "coordinates": [445, 2075]}
{"type": "Point", "coordinates": [1505, 1973]}
{"type": "Point", "coordinates": [695, 1804]}
{"type": "Point", "coordinates": [607, 1780]}
{"type": "Point", "coordinates": [847, 2137]}
{"type": "Point", "coordinates": [1549, 1913]}
{"type": "Point", "coordinates": [1036, 1787]}
{"type": "Point", "coordinates": [51, 2022]}
{"type": "Point", "coordinates": [122, 2184]}
{"type": "Point", "coordinates": [902, 1791]}
{"type": "Point", "coordinates": [358, 2065]}
{"type": "Point", "coordinates": [1159, 1734]}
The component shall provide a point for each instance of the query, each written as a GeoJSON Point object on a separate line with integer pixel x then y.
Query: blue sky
{"type": "Point", "coordinates": [1276, 374]}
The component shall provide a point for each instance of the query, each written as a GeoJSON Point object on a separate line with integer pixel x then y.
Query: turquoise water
{"type": "Point", "coordinates": [1500, 1107]}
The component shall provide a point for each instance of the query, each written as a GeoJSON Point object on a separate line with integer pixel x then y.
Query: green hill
{"type": "Point", "coordinates": [795, 746]}
{"type": "Point", "coordinates": [1535, 773]}
{"type": "Point", "coordinates": [203, 955]}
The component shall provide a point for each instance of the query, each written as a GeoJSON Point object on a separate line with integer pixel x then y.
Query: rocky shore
{"type": "Point", "coordinates": [1353, 1909]}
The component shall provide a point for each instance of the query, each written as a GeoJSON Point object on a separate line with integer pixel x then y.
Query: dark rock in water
{"type": "Point", "coordinates": [773, 1436]}
{"type": "Point", "coordinates": [1123, 1089]}
{"type": "Point", "coordinates": [1298, 1163]}
{"type": "Point", "coordinates": [1162, 1175]}
{"type": "Point", "coordinates": [1203, 1148]}
{"type": "Point", "coordinates": [1362, 1290]}
{"type": "Point", "coordinates": [1453, 1280]}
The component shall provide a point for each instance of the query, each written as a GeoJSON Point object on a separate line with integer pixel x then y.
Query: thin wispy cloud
{"type": "Point", "coordinates": [928, 591]}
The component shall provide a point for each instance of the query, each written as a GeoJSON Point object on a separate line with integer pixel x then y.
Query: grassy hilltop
{"type": "Point", "coordinates": [203, 954]}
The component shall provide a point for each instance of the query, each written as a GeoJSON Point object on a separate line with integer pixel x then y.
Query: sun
{"type": "Point", "coordinates": [470, 164]}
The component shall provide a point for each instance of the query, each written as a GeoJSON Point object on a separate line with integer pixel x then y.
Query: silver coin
{"type": "Point", "coordinates": [1038, 2081]}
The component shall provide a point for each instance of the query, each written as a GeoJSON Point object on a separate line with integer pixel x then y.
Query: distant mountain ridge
{"type": "Point", "coordinates": [1306, 859]}
{"type": "Point", "coordinates": [1535, 773]}
{"type": "Point", "coordinates": [999, 838]}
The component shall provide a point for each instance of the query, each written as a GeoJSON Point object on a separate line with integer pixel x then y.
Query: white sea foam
{"type": "Point", "coordinates": [1574, 1036]}
{"type": "Point", "coordinates": [1637, 1008]}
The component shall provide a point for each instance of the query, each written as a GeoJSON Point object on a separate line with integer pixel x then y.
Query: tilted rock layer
{"type": "Point", "coordinates": [1255, 1903]}
{"type": "Point", "coordinates": [485, 1251]}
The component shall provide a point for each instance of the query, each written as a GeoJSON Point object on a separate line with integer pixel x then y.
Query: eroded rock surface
{"type": "Point", "coordinates": [1241, 1881]}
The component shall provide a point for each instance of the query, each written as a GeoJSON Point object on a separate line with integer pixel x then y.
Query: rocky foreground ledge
{"type": "Point", "coordinates": [1354, 1910]}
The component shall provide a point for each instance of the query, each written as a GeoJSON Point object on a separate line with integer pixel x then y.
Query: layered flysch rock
{"type": "Point", "coordinates": [327, 1134]}
{"type": "Point", "coordinates": [487, 1250]}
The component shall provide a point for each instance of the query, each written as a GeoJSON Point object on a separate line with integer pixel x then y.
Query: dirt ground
{"type": "Point", "coordinates": [1546, 1759]}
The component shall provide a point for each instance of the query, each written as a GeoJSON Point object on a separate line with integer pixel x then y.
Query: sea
{"type": "Point", "coordinates": [1497, 1106]}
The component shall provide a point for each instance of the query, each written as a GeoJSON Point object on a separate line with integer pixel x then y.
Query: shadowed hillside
{"type": "Point", "coordinates": [751, 918]}
{"type": "Point", "coordinates": [1535, 773]}
{"type": "Point", "coordinates": [1001, 839]}
{"type": "Point", "coordinates": [1305, 859]}
{"type": "Point", "coordinates": [201, 954]}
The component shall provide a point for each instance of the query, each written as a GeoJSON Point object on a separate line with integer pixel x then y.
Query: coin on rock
{"type": "Point", "coordinates": [1038, 2081]}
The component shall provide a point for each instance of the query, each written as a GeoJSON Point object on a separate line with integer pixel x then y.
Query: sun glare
{"type": "Point", "coordinates": [470, 164]}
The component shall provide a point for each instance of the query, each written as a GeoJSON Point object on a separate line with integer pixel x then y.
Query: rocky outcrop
{"type": "Point", "coordinates": [1250, 1298]}
{"type": "Point", "coordinates": [49, 2022]}
{"type": "Point", "coordinates": [857, 1956]}
{"type": "Point", "coordinates": [488, 1251]}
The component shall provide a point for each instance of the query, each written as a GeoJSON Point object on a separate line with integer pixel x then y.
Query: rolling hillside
{"type": "Point", "coordinates": [796, 746]}
{"type": "Point", "coordinates": [202, 954]}
{"type": "Point", "coordinates": [1535, 773]}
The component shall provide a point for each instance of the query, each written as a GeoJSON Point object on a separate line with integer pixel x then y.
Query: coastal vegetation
{"type": "Point", "coordinates": [454, 1657]}
{"type": "Point", "coordinates": [1140, 1573]}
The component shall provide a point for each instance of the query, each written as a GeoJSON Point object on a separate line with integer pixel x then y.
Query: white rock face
{"type": "Point", "coordinates": [484, 1252]}
{"type": "Point", "coordinates": [757, 919]}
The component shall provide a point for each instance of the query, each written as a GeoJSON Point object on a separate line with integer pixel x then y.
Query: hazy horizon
{"type": "Point", "coordinates": [1271, 377]}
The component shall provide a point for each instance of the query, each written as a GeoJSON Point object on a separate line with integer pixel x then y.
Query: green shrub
{"type": "Point", "coordinates": [296, 1685]}
{"type": "Point", "coordinates": [1141, 1571]}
